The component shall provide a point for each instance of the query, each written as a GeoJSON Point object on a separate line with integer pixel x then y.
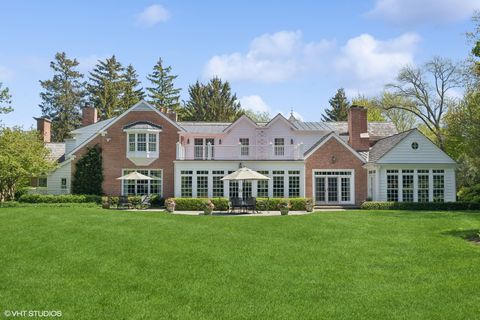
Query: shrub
{"type": "Point", "coordinates": [15, 204]}
{"type": "Point", "coordinates": [157, 201]}
{"type": "Point", "coordinates": [271, 204]}
{"type": "Point", "coordinates": [380, 205]}
{"type": "Point", "coordinates": [197, 204]}
{"type": "Point", "coordinates": [135, 201]}
{"type": "Point", "coordinates": [469, 194]}
{"type": "Point", "coordinates": [63, 198]}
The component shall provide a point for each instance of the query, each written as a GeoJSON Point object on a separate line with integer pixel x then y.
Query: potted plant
{"type": "Point", "coordinates": [308, 205]}
{"type": "Point", "coordinates": [105, 202]}
{"type": "Point", "coordinates": [284, 206]}
{"type": "Point", "coordinates": [170, 204]}
{"type": "Point", "coordinates": [208, 207]}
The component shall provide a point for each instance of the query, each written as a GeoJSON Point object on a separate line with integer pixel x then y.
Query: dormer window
{"type": "Point", "coordinates": [142, 142]}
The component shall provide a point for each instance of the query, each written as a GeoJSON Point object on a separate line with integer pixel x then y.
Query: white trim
{"type": "Point", "coordinates": [334, 135]}
{"type": "Point", "coordinates": [279, 116]}
{"type": "Point", "coordinates": [143, 169]}
{"type": "Point", "coordinates": [233, 124]}
{"type": "Point", "coordinates": [121, 116]}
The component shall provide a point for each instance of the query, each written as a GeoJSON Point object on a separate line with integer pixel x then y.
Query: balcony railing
{"type": "Point", "coordinates": [239, 152]}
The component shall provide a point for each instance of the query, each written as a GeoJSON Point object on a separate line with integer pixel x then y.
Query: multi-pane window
{"type": "Point", "coordinates": [244, 146]}
{"type": "Point", "coordinates": [152, 142]}
{"type": "Point", "coordinates": [422, 185]}
{"type": "Point", "coordinates": [407, 185]}
{"type": "Point", "coordinates": [233, 186]}
{"type": "Point", "coordinates": [143, 187]}
{"type": "Point", "coordinates": [278, 184]}
{"type": "Point", "coordinates": [202, 184]}
{"type": "Point", "coordinates": [247, 189]}
{"type": "Point", "coordinates": [141, 142]}
{"type": "Point", "coordinates": [198, 148]}
{"type": "Point", "coordinates": [42, 182]}
{"type": "Point", "coordinates": [131, 142]}
{"type": "Point", "coordinates": [392, 185]}
{"type": "Point", "coordinates": [217, 184]}
{"type": "Point", "coordinates": [186, 179]}
{"type": "Point", "coordinates": [345, 189]}
{"type": "Point", "coordinates": [293, 183]}
{"type": "Point", "coordinates": [279, 146]}
{"type": "Point", "coordinates": [63, 183]}
{"type": "Point", "coordinates": [438, 186]}
{"type": "Point", "coordinates": [262, 186]}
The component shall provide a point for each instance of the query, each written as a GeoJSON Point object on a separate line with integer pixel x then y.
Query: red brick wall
{"type": "Point", "coordinates": [114, 152]}
{"type": "Point", "coordinates": [357, 124]}
{"type": "Point", "coordinates": [344, 159]}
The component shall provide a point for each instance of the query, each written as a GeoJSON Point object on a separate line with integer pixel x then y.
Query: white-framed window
{"type": "Point", "coordinates": [438, 186]}
{"type": "Point", "coordinates": [294, 183]}
{"type": "Point", "coordinates": [143, 187]}
{"type": "Point", "coordinates": [202, 184]}
{"type": "Point", "coordinates": [217, 183]}
{"type": "Point", "coordinates": [186, 183]}
{"type": "Point", "coordinates": [137, 142]}
{"type": "Point", "coordinates": [392, 185]}
{"type": "Point", "coordinates": [262, 186]}
{"type": "Point", "coordinates": [246, 189]}
{"type": "Point", "coordinates": [42, 182]}
{"type": "Point", "coordinates": [407, 185]}
{"type": "Point", "coordinates": [63, 183]}
{"type": "Point", "coordinates": [244, 146]}
{"type": "Point", "coordinates": [279, 146]}
{"type": "Point", "coordinates": [278, 183]}
{"type": "Point", "coordinates": [423, 185]}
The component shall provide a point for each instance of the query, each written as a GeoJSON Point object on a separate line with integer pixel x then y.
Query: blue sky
{"type": "Point", "coordinates": [276, 55]}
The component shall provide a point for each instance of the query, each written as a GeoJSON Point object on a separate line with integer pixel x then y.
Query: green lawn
{"type": "Point", "coordinates": [98, 264]}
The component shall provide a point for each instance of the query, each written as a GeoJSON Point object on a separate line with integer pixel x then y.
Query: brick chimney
{"type": "Point", "coordinates": [172, 115]}
{"type": "Point", "coordinates": [358, 128]}
{"type": "Point", "coordinates": [44, 127]}
{"type": "Point", "coordinates": [89, 116]}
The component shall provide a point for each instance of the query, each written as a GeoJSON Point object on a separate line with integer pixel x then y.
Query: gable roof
{"type": "Point", "coordinates": [327, 137]}
{"type": "Point", "coordinates": [242, 118]}
{"type": "Point", "coordinates": [103, 125]}
{"type": "Point", "coordinates": [384, 145]}
{"type": "Point", "coordinates": [204, 127]}
{"type": "Point", "coordinates": [278, 117]}
{"type": "Point", "coordinates": [143, 125]}
{"type": "Point", "coordinates": [57, 151]}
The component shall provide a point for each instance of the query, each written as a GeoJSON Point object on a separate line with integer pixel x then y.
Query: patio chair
{"type": "Point", "coordinates": [146, 201]}
{"type": "Point", "coordinates": [251, 204]}
{"type": "Point", "coordinates": [236, 203]}
{"type": "Point", "coordinates": [123, 203]}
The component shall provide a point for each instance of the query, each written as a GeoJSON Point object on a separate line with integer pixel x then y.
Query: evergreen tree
{"type": "Point", "coordinates": [163, 93]}
{"type": "Point", "coordinates": [339, 107]}
{"type": "Point", "coordinates": [131, 93]}
{"type": "Point", "coordinates": [88, 176]}
{"type": "Point", "coordinates": [212, 102]}
{"type": "Point", "coordinates": [63, 96]}
{"type": "Point", "coordinates": [5, 100]}
{"type": "Point", "coordinates": [106, 87]}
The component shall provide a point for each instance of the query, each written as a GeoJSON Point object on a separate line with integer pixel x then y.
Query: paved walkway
{"type": "Point", "coordinates": [228, 214]}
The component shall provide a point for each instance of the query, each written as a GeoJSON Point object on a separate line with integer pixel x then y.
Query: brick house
{"type": "Point", "coordinates": [335, 163]}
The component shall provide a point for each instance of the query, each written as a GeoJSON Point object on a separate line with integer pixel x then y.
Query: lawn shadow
{"type": "Point", "coordinates": [472, 235]}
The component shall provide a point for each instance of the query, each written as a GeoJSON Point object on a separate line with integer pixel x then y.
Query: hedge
{"type": "Point", "coordinates": [197, 204]}
{"type": "Point", "coordinates": [379, 205]}
{"type": "Point", "coordinates": [469, 194]}
{"type": "Point", "coordinates": [271, 204]}
{"type": "Point", "coordinates": [16, 204]}
{"type": "Point", "coordinates": [63, 198]}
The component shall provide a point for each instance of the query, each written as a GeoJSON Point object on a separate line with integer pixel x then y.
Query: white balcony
{"type": "Point", "coordinates": [239, 152]}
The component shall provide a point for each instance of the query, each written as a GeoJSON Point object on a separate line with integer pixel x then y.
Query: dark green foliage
{"type": "Point", "coordinates": [449, 206]}
{"type": "Point", "coordinates": [271, 204]}
{"type": "Point", "coordinates": [198, 204]}
{"type": "Point", "coordinates": [63, 96]}
{"type": "Point", "coordinates": [63, 198]}
{"type": "Point", "coordinates": [163, 94]}
{"type": "Point", "coordinates": [16, 204]}
{"type": "Point", "coordinates": [131, 93]}
{"type": "Point", "coordinates": [339, 107]}
{"type": "Point", "coordinates": [157, 201]}
{"type": "Point", "coordinates": [470, 194]}
{"type": "Point", "coordinates": [213, 101]}
{"type": "Point", "coordinates": [88, 175]}
{"type": "Point", "coordinates": [5, 100]}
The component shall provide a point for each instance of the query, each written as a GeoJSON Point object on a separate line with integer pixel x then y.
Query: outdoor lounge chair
{"type": "Point", "coordinates": [123, 203]}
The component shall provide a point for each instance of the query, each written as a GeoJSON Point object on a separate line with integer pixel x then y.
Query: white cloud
{"type": "Point", "coordinates": [271, 58]}
{"type": "Point", "coordinates": [5, 73]}
{"type": "Point", "coordinates": [362, 64]}
{"type": "Point", "coordinates": [367, 63]}
{"type": "Point", "coordinates": [408, 12]}
{"type": "Point", "coordinates": [254, 103]}
{"type": "Point", "coordinates": [153, 15]}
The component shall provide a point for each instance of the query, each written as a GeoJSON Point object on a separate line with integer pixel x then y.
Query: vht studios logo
{"type": "Point", "coordinates": [32, 313]}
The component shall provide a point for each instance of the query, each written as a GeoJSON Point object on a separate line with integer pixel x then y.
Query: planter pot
{"type": "Point", "coordinates": [284, 212]}
{"type": "Point", "coordinates": [309, 207]}
{"type": "Point", "coordinates": [207, 212]}
{"type": "Point", "coordinates": [170, 208]}
{"type": "Point", "coordinates": [106, 205]}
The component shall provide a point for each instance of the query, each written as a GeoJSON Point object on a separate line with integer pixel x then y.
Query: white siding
{"type": "Point", "coordinates": [54, 179]}
{"type": "Point", "coordinates": [427, 151]}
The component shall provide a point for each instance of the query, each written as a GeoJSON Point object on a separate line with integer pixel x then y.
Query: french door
{"type": "Point", "coordinates": [333, 187]}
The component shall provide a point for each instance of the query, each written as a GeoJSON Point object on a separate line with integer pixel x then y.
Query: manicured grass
{"type": "Point", "coordinates": [99, 264]}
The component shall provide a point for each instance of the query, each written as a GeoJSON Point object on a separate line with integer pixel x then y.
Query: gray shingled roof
{"type": "Point", "coordinates": [375, 129]}
{"type": "Point", "coordinates": [384, 145]}
{"type": "Point", "coordinates": [204, 127]}
{"type": "Point", "coordinates": [57, 151]}
{"type": "Point", "coordinates": [311, 126]}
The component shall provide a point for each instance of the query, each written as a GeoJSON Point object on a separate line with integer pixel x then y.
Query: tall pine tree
{"type": "Point", "coordinates": [63, 96]}
{"type": "Point", "coordinates": [213, 101]}
{"type": "Point", "coordinates": [5, 100]}
{"type": "Point", "coordinates": [106, 87]}
{"type": "Point", "coordinates": [131, 93]}
{"type": "Point", "coordinates": [163, 93]}
{"type": "Point", "coordinates": [339, 107]}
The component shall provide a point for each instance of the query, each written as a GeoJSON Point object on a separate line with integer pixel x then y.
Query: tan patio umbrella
{"type": "Point", "coordinates": [244, 174]}
{"type": "Point", "coordinates": [135, 176]}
